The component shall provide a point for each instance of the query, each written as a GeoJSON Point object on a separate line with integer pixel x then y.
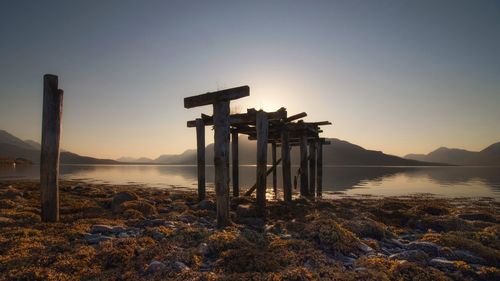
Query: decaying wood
{"type": "Point", "coordinates": [221, 150]}
{"type": "Point", "coordinates": [275, 175]}
{"type": "Point", "coordinates": [234, 154]}
{"type": "Point", "coordinates": [49, 156]}
{"type": "Point", "coordinates": [214, 97]}
{"type": "Point", "coordinates": [304, 190]}
{"type": "Point", "coordinates": [261, 127]}
{"type": "Point", "coordinates": [200, 157]}
{"type": "Point", "coordinates": [286, 166]}
{"type": "Point", "coordinates": [319, 189]}
{"type": "Point", "coordinates": [270, 170]}
{"type": "Point", "coordinates": [312, 167]}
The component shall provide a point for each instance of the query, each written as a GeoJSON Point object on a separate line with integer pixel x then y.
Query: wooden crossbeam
{"type": "Point", "coordinates": [242, 118]}
{"type": "Point", "coordinates": [296, 116]}
{"type": "Point", "coordinates": [270, 170]}
{"type": "Point", "coordinates": [212, 97]}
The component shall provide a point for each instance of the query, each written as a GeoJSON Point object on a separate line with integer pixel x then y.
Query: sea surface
{"type": "Point", "coordinates": [337, 180]}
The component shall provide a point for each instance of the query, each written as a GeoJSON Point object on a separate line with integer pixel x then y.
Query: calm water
{"type": "Point", "coordinates": [380, 181]}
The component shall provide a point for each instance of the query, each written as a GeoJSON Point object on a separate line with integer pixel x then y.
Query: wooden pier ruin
{"type": "Point", "coordinates": [275, 128]}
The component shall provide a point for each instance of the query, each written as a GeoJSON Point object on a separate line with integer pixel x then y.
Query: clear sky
{"type": "Point", "coordinates": [397, 76]}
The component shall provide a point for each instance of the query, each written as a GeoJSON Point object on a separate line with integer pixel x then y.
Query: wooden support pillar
{"type": "Point", "coordinates": [221, 150]}
{"type": "Point", "coordinates": [262, 133]}
{"type": "Point", "coordinates": [234, 152]}
{"type": "Point", "coordinates": [275, 175]}
{"type": "Point", "coordinates": [49, 157]}
{"type": "Point", "coordinates": [200, 149]}
{"type": "Point", "coordinates": [304, 179]}
{"type": "Point", "coordinates": [287, 173]}
{"type": "Point", "coordinates": [320, 169]}
{"type": "Point", "coordinates": [270, 170]}
{"type": "Point", "coordinates": [312, 168]}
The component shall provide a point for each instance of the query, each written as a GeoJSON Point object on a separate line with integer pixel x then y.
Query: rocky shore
{"type": "Point", "coordinates": [110, 232]}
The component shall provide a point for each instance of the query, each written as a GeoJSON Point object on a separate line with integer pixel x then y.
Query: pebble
{"type": "Point", "coordinates": [365, 248]}
{"type": "Point", "coordinates": [180, 266]}
{"type": "Point", "coordinates": [430, 248]}
{"type": "Point", "coordinates": [410, 255]}
{"type": "Point", "coordinates": [101, 228]}
{"type": "Point", "coordinates": [442, 263]}
{"type": "Point", "coordinates": [155, 266]}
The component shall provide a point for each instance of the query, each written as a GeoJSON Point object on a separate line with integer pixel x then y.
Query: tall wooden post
{"type": "Point", "coordinates": [320, 169]}
{"type": "Point", "coordinates": [220, 101]}
{"type": "Point", "coordinates": [286, 165]}
{"type": "Point", "coordinates": [234, 152]}
{"type": "Point", "coordinates": [262, 134]}
{"type": "Point", "coordinates": [275, 174]}
{"type": "Point", "coordinates": [49, 157]}
{"type": "Point", "coordinates": [221, 149]}
{"type": "Point", "coordinates": [200, 149]}
{"type": "Point", "coordinates": [304, 179]}
{"type": "Point", "coordinates": [312, 168]}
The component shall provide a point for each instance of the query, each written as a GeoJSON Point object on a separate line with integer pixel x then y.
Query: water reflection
{"type": "Point", "coordinates": [446, 181]}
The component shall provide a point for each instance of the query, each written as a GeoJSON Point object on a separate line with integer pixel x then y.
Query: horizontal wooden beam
{"type": "Point", "coordinates": [296, 116]}
{"type": "Point", "coordinates": [212, 97]}
{"type": "Point", "coordinates": [242, 118]}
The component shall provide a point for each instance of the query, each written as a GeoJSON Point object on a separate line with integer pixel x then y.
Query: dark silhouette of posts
{"type": "Point", "coordinates": [234, 154]}
{"type": "Point", "coordinates": [200, 157]}
{"type": "Point", "coordinates": [49, 157]}
{"type": "Point", "coordinates": [262, 134]}
{"type": "Point", "coordinates": [286, 166]}
{"type": "Point", "coordinates": [312, 167]}
{"type": "Point", "coordinates": [275, 176]}
{"type": "Point", "coordinates": [220, 101]}
{"type": "Point", "coordinates": [304, 190]}
{"type": "Point", "coordinates": [319, 152]}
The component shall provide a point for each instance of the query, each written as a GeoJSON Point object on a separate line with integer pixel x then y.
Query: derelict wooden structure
{"type": "Point", "coordinates": [276, 128]}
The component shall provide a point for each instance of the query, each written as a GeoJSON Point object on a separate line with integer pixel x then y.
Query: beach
{"type": "Point", "coordinates": [132, 232]}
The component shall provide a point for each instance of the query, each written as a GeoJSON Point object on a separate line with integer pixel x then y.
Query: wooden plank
{"type": "Point", "coordinates": [213, 97]}
{"type": "Point", "coordinates": [242, 118]}
{"type": "Point", "coordinates": [261, 126]}
{"type": "Point", "coordinates": [304, 189]}
{"type": "Point", "coordinates": [319, 152]}
{"type": "Point", "coordinates": [49, 156]}
{"type": "Point", "coordinates": [200, 156]}
{"type": "Point", "coordinates": [312, 167]}
{"type": "Point", "coordinates": [234, 154]}
{"type": "Point", "coordinates": [221, 150]}
{"type": "Point", "coordinates": [275, 175]}
{"type": "Point", "coordinates": [286, 166]}
{"type": "Point", "coordinates": [269, 171]}
{"type": "Point", "coordinates": [296, 116]}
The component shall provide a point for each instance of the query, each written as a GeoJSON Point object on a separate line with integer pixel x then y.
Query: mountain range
{"type": "Point", "coordinates": [490, 156]}
{"type": "Point", "coordinates": [339, 152]}
{"type": "Point", "coordinates": [13, 147]}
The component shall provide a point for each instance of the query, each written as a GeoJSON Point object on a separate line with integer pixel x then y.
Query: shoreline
{"type": "Point", "coordinates": [158, 234]}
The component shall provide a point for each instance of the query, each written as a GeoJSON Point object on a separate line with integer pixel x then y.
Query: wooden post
{"type": "Point", "coordinates": [200, 149]}
{"type": "Point", "coordinates": [287, 174]}
{"type": "Point", "coordinates": [312, 168]}
{"type": "Point", "coordinates": [236, 184]}
{"type": "Point", "coordinates": [262, 131]}
{"type": "Point", "coordinates": [49, 157]}
{"type": "Point", "coordinates": [275, 179]}
{"type": "Point", "coordinates": [304, 180]}
{"type": "Point", "coordinates": [221, 149]}
{"type": "Point", "coordinates": [270, 170]}
{"type": "Point", "coordinates": [320, 169]}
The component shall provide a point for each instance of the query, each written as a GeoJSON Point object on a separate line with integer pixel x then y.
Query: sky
{"type": "Point", "coordinates": [397, 76]}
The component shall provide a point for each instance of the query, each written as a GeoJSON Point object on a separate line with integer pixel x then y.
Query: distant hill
{"type": "Point", "coordinates": [13, 147]}
{"type": "Point", "coordinates": [337, 153]}
{"type": "Point", "coordinates": [490, 156]}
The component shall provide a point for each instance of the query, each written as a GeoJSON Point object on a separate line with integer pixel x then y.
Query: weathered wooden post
{"type": "Point", "coordinates": [220, 101]}
{"type": "Point", "coordinates": [49, 157]}
{"type": "Point", "coordinates": [275, 174]}
{"type": "Point", "coordinates": [262, 134]}
{"type": "Point", "coordinates": [312, 167]}
{"type": "Point", "coordinates": [200, 155]}
{"type": "Point", "coordinates": [234, 152]}
{"type": "Point", "coordinates": [320, 168]}
{"type": "Point", "coordinates": [304, 190]}
{"type": "Point", "coordinates": [286, 166]}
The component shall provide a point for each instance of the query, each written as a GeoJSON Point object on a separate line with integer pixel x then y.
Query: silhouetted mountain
{"type": "Point", "coordinates": [13, 147]}
{"type": "Point", "coordinates": [489, 156]}
{"type": "Point", "coordinates": [337, 153]}
{"type": "Point", "coordinates": [134, 160]}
